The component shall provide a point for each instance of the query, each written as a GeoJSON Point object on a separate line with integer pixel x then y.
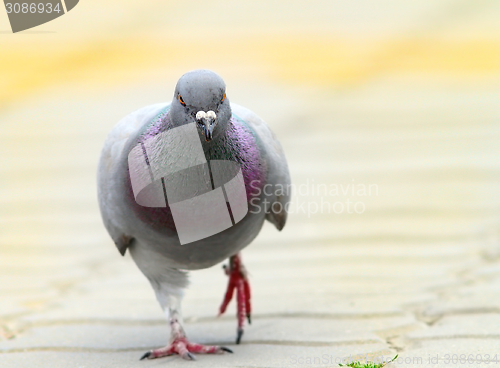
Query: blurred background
{"type": "Point", "coordinates": [400, 95]}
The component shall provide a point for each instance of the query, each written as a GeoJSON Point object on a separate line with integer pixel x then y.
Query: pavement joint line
{"type": "Point", "coordinates": [23, 326]}
{"type": "Point", "coordinates": [432, 319]}
{"type": "Point", "coordinates": [110, 322]}
{"type": "Point", "coordinates": [72, 349]}
{"type": "Point", "coordinates": [251, 342]}
{"type": "Point", "coordinates": [425, 241]}
{"type": "Point", "coordinates": [330, 315]}
{"type": "Point", "coordinates": [388, 333]}
{"type": "Point", "coordinates": [5, 319]}
{"type": "Point", "coordinates": [195, 320]}
{"type": "Point", "coordinates": [312, 343]}
{"type": "Point", "coordinates": [454, 337]}
{"type": "Point", "coordinates": [396, 343]}
{"type": "Point", "coordinates": [428, 321]}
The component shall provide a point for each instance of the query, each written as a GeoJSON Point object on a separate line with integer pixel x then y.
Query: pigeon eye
{"type": "Point", "coordinates": [182, 101]}
{"type": "Point", "coordinates": [223, 98]}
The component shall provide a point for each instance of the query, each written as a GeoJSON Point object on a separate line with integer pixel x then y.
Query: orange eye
{"type": "Point", "coordinates": [181, 100]}
{"type": "Point", "coordinates": [223, 98]}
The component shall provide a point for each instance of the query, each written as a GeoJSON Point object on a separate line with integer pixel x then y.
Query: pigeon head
{"type": "Point", "coordinates": [200, 97]}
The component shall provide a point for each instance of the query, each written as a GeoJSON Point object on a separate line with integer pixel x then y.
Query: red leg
{"type": "Point", "coordinates": [229, 292]}
{"type": "Point", "coordinates": [248, 305]}
{"type": "Point", "coordinates": [238, 281]}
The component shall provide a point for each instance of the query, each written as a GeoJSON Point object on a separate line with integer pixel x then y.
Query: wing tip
{"type": "Point", "coordinates": [278, 219]}
{"type": "Point", "coordinates": [123, 243]}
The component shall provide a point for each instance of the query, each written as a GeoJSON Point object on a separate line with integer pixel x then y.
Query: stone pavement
{"type": "Point", "coordinates": [415, 273]}
{"type": "Point", "coordinates": [388, 112]}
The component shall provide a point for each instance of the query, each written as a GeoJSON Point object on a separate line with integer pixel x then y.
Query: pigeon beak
{"type": "Point", "coordinates": [208, 127]}
{"type": "Point", "coordinates": [208, 122]}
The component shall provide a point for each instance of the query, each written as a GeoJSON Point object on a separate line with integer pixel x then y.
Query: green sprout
{"type": "Point", "coordinates": [367, 365]}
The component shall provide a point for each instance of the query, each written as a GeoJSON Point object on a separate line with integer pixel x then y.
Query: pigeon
{"type": "Point", "coordinates": [186, 185]}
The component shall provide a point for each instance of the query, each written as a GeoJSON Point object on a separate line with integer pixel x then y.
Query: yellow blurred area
{"type": "Point", "coordinates": [325, 43]}
{"type": "Point", "coordinates": [315, 59]}
{"type": "Point", "coordinates": [331, 62]}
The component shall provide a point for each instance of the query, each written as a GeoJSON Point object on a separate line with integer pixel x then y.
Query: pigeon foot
{"type": "Point", "coordinates": [180, 345]}
{"type": "Point", "coordinates": [185, 349]}
{"type": "Point", "coordinates": [238, 280]}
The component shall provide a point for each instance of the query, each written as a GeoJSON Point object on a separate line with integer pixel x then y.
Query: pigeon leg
{"type": "Point", "coordinates": [238, 280]}
{"type": "Point", "coordinates": [179, 344]}
{"type": "Point", "coordinates": [168, 285]}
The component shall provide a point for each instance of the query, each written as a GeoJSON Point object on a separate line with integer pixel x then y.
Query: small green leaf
{"type": "Point", "coordinates": [368, 364]}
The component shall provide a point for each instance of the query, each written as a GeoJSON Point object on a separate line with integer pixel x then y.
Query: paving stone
{"type": "Point", "coordinates": [250, 355]}
{"type": "Point", "coordinates": [482, 298]}
{"type": "Point", "coordinates": [87, 336]}
{"type": "Point", "coordinates": [93, 309]}
{"type": "Point", "coordinates": [462, 326]}
{"type": "Point", "coordinates": [417, 273]}
{"type": "Point", "coordinates": [126, 335]}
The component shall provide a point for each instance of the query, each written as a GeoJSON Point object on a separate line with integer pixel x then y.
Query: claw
{"type": "Point", "coordinates": [179, 344]}
{"type": "Point", "coordinates": [238, 336]}
{"type": "Point", "coordinates": [185, 349]}
{"type": "Point", "coordinates": [145, 356]}
{"type": "Point", "coordinates": [249, 318]}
